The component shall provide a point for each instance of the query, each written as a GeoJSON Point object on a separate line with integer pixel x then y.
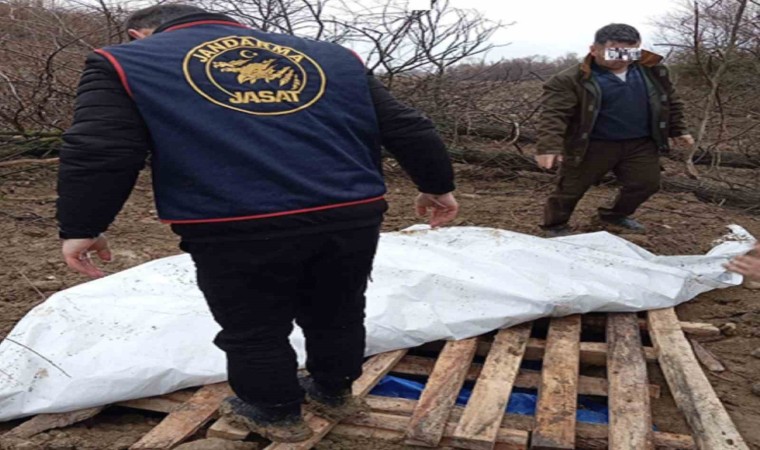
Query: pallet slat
{"type": "Point", "coordinates": [588, 436]}
{"type": "Point", "coordinates": [711, 425]}
{"type": "Point", "coordinates": [184, 421]}
{"type": "Point", "coordinates": [439, 396]}
{"type": "Point", "coordinates": [45, 422]}
{"type": "Point", "coordinates": [479, 426]}
{"type": "Point", "coordinates": [526, 379]}
{"type": "Point", "coordinates": [164, 403]}
{"type": "Point", "coordinates": [558, 393]}
{"type": "Point", "coordinates": [629, 409]}
{"type": "Point", "coordinates": [510, 437]}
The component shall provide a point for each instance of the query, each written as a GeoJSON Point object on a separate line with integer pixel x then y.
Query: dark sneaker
{"type": "Point", "coordinates": [272, 425]}
{"type": "Point", "coordinates": [557, 231]}
{"type": "Point", "coordinates": [331, 405]}
{"type": "Point", "coordinates": [625, 223]}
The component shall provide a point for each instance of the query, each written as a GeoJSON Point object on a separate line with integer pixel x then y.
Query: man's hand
{"type": "Point", "coordinates": [76, 253]}
{"type": "Point", "coordinates": [548, 161]}
{"type": "Point", "coordinates": [442, 208]}
{"type": "Point", "coordinates": [682, 141]}
{"type": "Point", "coordinates": [747, 265]}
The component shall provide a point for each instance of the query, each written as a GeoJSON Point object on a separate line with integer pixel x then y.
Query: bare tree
{"type": "Point", "coordinates": [717, 42]}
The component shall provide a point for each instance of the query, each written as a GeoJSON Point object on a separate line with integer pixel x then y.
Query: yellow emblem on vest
{"type": "Point", "coordinates": [253, 76]}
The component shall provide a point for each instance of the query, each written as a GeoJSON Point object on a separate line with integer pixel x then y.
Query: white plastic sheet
{"type": "Point", "coordinates": [147, 331]}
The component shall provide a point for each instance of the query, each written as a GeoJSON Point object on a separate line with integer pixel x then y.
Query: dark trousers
{"type": "Point", "coordinates": [256, 289]}
{"type": "Point", "coordinates": [635, 163]}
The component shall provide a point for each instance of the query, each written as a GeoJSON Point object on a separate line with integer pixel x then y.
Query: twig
{"type": "Point", "coordinates": [32, 284]}
{"type": "Point", "coordinates": [21, 162]}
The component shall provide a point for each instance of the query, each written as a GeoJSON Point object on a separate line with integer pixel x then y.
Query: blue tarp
{"type": "Point", "coordinates": [522, 401]}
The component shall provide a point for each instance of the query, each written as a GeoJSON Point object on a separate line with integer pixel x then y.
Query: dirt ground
{"type": "Point", "coordinates": [31, 270]}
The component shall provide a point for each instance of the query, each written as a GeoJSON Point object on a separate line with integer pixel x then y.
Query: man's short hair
{"type": "Point", "coordinates": [155, 16]}
{"type": "Point", "coordinates": [617, 32]}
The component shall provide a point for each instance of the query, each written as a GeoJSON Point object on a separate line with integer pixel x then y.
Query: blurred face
{"type": "Point", "coordinates": [598, 52]}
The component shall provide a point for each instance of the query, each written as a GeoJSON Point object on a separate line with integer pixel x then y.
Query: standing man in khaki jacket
{"type": "Point", "coordinates": [616, 112]}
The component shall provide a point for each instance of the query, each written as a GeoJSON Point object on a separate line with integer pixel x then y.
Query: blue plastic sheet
{"type": "Point", "coordinates": [522, 401]}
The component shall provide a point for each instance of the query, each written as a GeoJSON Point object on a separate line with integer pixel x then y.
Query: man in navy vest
{"type": "Point", "coordinates": [617, 111]}
{"type": "Point", "coordinates": [266, 160]}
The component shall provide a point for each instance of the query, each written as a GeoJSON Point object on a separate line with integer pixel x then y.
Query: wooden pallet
{"type": "Point", "coordinates": [435, 420]}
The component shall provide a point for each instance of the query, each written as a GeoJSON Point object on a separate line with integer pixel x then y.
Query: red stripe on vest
{"type": "Point", "coordinates": [120, 70]}
{"type": "Point", "coordinates": [279, 214]}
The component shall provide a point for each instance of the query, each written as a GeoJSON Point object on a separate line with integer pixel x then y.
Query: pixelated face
{"type": "Point", "coordinates": [616, 55]}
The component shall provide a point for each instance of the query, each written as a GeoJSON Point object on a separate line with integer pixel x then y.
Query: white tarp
{"type": "Point", "coordinates": [147, 331]}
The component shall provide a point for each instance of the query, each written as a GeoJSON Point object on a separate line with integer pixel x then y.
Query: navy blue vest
{"type": "Point", "coordinates": [247, 124]}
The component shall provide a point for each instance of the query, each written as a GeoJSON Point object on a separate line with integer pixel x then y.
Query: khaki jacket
{"type": "Point", "coordinates": [572, 98]}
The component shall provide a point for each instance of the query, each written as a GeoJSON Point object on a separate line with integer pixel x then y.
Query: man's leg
{"type": "Point", "coordinates": [251, 289]}
{"type": "Point", "coordinates": [639, 173]}
{"type": "Point", "coordinates": [331, 311]}
{"type": "Point", "coordinates": [573, 183]}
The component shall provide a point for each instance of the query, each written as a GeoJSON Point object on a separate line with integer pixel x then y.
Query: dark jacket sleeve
{"type": "Point", "coordinates": [559, 104]}
{"type": "Point", "coordinates": [413, 140]}
{"type": "Point", "coordinates": [677, 120]}
{"type": "Point", "coordinates": [102, 153]}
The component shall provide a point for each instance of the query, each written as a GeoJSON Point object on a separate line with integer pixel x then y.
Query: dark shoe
{"type": "Point", "coordinates": [334, 405]}
{"type": "Point", "coordinates": [625, 223]}
{"type": "Point", "coordinates": [272, 424]}
{"type": "Point", "coordinates": [557, 231]}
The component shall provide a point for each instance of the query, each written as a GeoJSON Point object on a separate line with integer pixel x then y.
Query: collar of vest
{"type": "Point", "coordinates": [195, 19]}
{"type": "Point", "coordinates": [648, 59]}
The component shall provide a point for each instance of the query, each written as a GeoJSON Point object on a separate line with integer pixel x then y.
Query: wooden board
{"type": "Point", "coordinates": [706, 357]}
{"type": "Point", "coordinates": [629, 408]}
{"type": "Point", "coordinates": [164, 403]}
{"type": "Point", "coordinates": [441, 390]}
{"type": "Point", "coordinates": [593, 353]}
{"type": "Point", "coordinates": [479, 426]}
{"type": "Point", "coordinates": [184, 421]}
{"type": "Point", "coordinates": [372, 372]}
{"type": "Point", "coordinates": [526, 379]}
{"type": "Point", "coordinates": [510, 437]}
{"type": "Point", "coordinates": [710, 423]}
{"type": "Point", "coordinates": [588, 436]}
{"type": "Point", "coordinates": [598, 322]}
{"type": "Point", "coordinates": [45, 422]}
{"type": "Point", "coordinates": [558, 392]}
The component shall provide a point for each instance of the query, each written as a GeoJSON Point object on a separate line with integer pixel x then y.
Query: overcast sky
{"type": "Point", "coordinates": [557, 27]}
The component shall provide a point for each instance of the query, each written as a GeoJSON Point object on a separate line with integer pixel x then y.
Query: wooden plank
{"type": "Point", "coordinates": [591, 436]}
{"type": "Point", "coordinates": [512, 438]}
{"type": "Point", "coordinates": [45, 422]}
{"type": "Point", "coordinates": [710, 423]}
{"type": "Point", "coordinates": [706, 357]}
{"type": "Point", "coordinates": [372, 372]}
{"type": "Point", "coordinates": [441, 390]}
{"type": "Point", "coordinates": [592, 353]}
{"type": "Point", "coordinates": [526, 379]}
{"type": "Point", "coordinates": [163, 404]}
{"type": "Point", "coordinates": [558, 392]}
{"type": "Point", "coordinates": [597, 322]}
{"type": "Point", "coordinates": [481, 421]}
{"type": "Point", "coordinates": [629, 408]}
{"type": "Point", "coordinates": [184, 421]}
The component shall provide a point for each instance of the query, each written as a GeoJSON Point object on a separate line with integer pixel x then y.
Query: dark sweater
{"type": "Point", "coordinates": [624, 113]}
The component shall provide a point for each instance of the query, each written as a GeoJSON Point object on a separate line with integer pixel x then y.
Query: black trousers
{"type": "Point", "coordinates": [635, 163]}
{"type": "Point", "coordinates": [256, 289]}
